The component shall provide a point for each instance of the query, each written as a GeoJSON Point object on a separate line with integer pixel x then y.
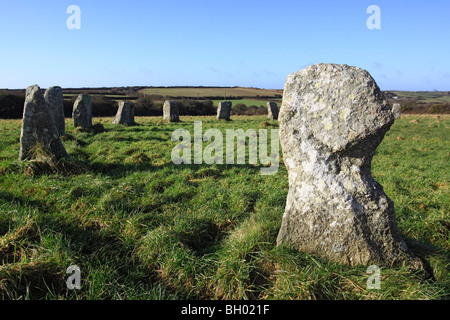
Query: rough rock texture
{"type": "Point", "coordinates": [397, 111]}
{"type": "Point", "coordinates": [55, 100]}
{"type": "Point", "coordinates": [224, 110]}
{"type": "Point", "coordinates": [82, 112]}
{"type": "Point", "coordinates": [38, 127]}
{"type": "Point", "coordinates": [332, 119]}
{"type": "Point", "coordinates": [272, 110]}
{"type": "Point", "coordinates": [171, 111]}
{"type": "Point", "coordinates": [125, 114]}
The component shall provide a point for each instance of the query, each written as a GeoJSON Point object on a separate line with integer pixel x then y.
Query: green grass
{"type": "Point", "coordinates": [140, 227]}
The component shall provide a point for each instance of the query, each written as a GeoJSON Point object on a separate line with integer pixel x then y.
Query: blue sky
{"type": "Point", "coordinates": [221, 43]}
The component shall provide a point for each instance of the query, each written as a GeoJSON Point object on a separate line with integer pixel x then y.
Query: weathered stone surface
{"type": "Point", "coordinates": [397, 111]}
{"type": "Point", "coordinates": [224, 110]}
{"type": "Point", "coordinates": [125, 113]}
{"type": "Point", "coordinates": [171, 111]}
{"type": "Point", "coordinates": [55, 100]}
{"type": "Point", "coordinates": [38, 126]}
{"type": "Point", "coordinates": [332, 119]}
{"type": "Point", "coordinates": [272, 110]}
{"type": "Point", "coordinates": [82, 112]}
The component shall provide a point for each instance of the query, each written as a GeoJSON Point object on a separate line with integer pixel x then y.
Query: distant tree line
{"type": "Point", "coordinates": [153, 106]}
{"type": "Point", "coordinates": [410, 106]}
{"type": "Point", "coordinates": [241, 109]}
{"type": "Point", "coordinates": [11, 106]}
{"type": "Point", "coordinates": [12, 102]}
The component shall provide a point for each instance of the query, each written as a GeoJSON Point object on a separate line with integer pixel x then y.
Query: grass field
{"type": "Point", "coordinates": [424, 96]}
{"type": "Point", "coordinates": [140, 227]}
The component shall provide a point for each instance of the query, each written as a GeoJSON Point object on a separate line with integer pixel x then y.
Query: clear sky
{"type": "Point", "coordinates": [221, 43]}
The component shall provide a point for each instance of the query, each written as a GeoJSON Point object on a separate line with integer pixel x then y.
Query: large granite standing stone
{"type": "Point", "coordinates": [224, 110]}
{"type": "Point", "coordinates": [397, 111]}
{"type": "Point", "coordinates": [272, 110]}
{"type": "Point", "coordinates": [82, 112]}
{"type": "Point", "coordinates": [171, 111]}
{"type": "Point", "coordinates": [125, 113]}
{"type": "Point", "coordinates": [38, 127]}
{"type": "Point", "coordinates": [332, 119]}
{"type": "Point", "coordinates": [55, 101]}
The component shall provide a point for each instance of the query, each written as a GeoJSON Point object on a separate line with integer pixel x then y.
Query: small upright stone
{"type": "Point", "coordinates": [397, 111]}
{"type": "Point", "coordinates": [55, 100]}
{"type": "Point", "coordinates": [332, 119]}
{"type": "Point", "coordinates": [125, 113]}
{"type": "Point", "coordinates": [82, 112]}
{"type": "Point", "coordinates": [38, 127]}
{"type": "Point", "coordinates": [272, 110]}
{"type": "Point", "coordinates": [224, 110]}
{"type": "Point", "coordinates": [171, 111]}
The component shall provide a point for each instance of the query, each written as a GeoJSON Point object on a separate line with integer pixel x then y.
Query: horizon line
{"type": "Point", "coordinates": [203, 86]}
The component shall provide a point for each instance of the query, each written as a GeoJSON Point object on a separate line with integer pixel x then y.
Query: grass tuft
{"type": "Point", "coordinates": [44, 162]}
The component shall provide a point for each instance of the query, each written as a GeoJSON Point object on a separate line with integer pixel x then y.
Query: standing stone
{"type": "Point", "coordinates": [332, 119]}
{"type": "Point", "coordinates": [272, 110]}
{"type": "Point", "coordinates": [171, 111]}
{"type": "Point", "coordinates": [224, 110]}
{"type": "Point", "coordinates": [125, 113]}
{"type": "Point", "coordinates": [397, 111]}
{"type": "Point", "coordinates": [82, 112]}
{"type": "Point", "coordinates": [38, 127]}
{"type": "Point", "coordinates": [55, 100]}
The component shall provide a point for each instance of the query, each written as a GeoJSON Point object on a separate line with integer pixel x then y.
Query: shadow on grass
{"type": "Point", "coordinates": [95, 247]}
{"type": "Point", "coordinates": [202, 236]}
{"type": "Point", "coordinates": [22, 201]}
{"type": "Point", "coordinates": [89, 246]}
{"type": "Point", "coordinates": [427, 252]}
{"type": "Point", "coordinates": [202, 170]}
{"type": "Point", "coordinates": [136, 139]}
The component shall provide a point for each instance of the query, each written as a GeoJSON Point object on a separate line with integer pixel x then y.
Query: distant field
{"type": "Point", "coordinates": [196, 92]}
{"type": "Point", "coordinates": [424, 96]}
{"type": "Point", "coordinates": [69, 95]}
